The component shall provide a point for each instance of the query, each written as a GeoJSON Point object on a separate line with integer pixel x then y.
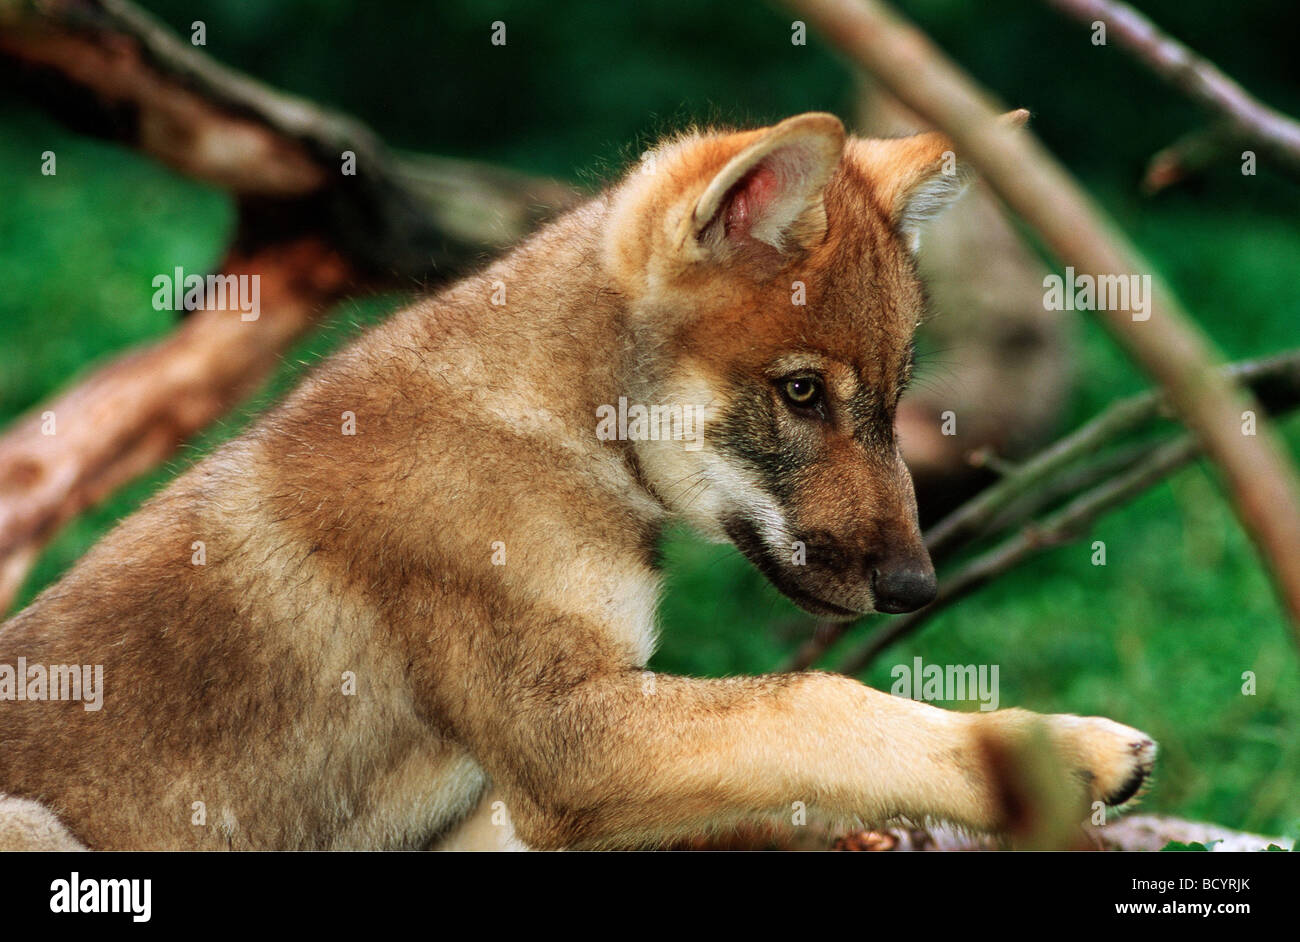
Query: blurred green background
{"type": "Point", "coordinates": [1158, 638]}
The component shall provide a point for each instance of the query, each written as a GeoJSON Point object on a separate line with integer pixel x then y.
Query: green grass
{"type": "Point", "coordinates": [1158, 638]}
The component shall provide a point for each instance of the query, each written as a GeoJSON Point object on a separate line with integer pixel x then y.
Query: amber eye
{"type": "Point", "coordinates": [803, 392]}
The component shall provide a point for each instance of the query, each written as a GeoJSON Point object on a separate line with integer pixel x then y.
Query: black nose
{"type": "Point", "coordinates": [903, 590]}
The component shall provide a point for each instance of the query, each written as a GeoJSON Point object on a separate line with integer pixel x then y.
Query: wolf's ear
{"type": "Point", "coordinates": [771, 191]}
{"type": "Point", "coordinates": [918, 177]}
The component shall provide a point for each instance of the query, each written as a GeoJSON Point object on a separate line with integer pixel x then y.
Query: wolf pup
{"type": "Point", "coordinates": [426, 571]}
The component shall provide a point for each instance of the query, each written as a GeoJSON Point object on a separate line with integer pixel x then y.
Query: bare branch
{"type": "Point", "coordinates": [1118, 419]}
{"type": "Point", "coordinates": [1249, 119]}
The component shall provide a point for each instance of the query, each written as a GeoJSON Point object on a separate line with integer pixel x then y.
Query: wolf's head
{"type": "Point", "coordinates": [773, 285]}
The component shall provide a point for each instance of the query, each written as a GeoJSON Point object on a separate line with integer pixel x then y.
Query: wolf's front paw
{"type": "Point", "coordinates": [1112, 760]}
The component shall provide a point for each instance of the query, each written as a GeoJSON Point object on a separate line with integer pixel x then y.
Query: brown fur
{"type": "Point", "coordinates": [372, 553]}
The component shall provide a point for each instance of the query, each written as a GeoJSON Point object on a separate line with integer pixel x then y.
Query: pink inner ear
{"type": "Point", "coordinates": [750, 198]}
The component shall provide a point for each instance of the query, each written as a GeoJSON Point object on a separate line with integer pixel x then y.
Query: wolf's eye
{"type": "Point", "coordinates": [804, 392]}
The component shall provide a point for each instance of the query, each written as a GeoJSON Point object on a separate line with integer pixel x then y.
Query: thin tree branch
{"type": "Point", "coordinates": [1072, 481]}
{"type": "Point", "coordinates": [1117, 420]}
{"type": "Point", "coordinates": [970, 519]}
{"type": "Point", "coordinates": [1249, 119]}
{"type": "Point", "coordinates": [1259, 479]}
